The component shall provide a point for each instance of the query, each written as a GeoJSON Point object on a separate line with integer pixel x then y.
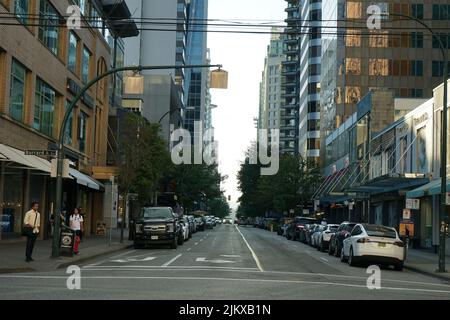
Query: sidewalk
{"type": "Point", "coordinates": [12, 253]}
{"type": "Point", "coordinates": [426, 262]}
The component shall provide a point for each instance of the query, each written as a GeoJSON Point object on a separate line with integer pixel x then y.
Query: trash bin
{"type": "Point", "coordinates": [67, 241]}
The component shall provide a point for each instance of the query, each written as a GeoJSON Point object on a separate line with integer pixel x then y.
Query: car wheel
{"type": "Point", "coordinates": [343, 258]}
{"type": "Point", "coordinates": [330, 249]}
{"type": "Point", "coordinates": [322, 246]}
{"type": "Point", "coordinates": [337, 250]}
{"type": "Point", "coordinates": [351, 258]}
{"type": "Point", "coordinates": [399, 267]}
{"type": "Point", "coordinates": [137, 246]}
{"type": "Point", "coordinates": [180, 240]}
{"type": "Point", "coordinates": [174, 244]}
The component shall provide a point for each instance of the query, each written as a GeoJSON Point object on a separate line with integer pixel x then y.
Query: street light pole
{"type": "Point", "coordinates": [60, 155]}
{"type": "Point", "coordinates": [442, 207]}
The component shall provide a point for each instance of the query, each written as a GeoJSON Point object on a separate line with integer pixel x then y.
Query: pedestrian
{"type": "Point", "coordinates": [80, 211]}
{"type": "Point", "coordinates": [32, 223]}
{"type": "Point", "coordinates": [76, 224]}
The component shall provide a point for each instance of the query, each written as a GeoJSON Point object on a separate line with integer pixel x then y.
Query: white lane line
{"type": "Point", "coordinates": [186, 268]}
{"type": "Point", "coordinates": [168, 263]}
{"type": "Point", "coordinates": [189, 249]}
{"type": "Point", "coordinates": [230, 255]}
{"type": "Point", "coordinates": [196, 244]}
{"type": "Point", "coordinates": [255, 257]}
{"type": "Point", "coordinates": [322, 258]}
{"type": "Point", "coordinates": [201, 240]}
{"type": "Point", "coordinates": [111, 258]}
{"type": "Point", "coordinates": [230, 279]}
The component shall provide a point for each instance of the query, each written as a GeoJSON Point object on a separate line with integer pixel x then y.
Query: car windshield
{"type": "Point", "coordinates": [333, 228]}
{"type": "Point", "coordinates": [152, 213]}
{"type": "Point", "coordinates": [380, 231]}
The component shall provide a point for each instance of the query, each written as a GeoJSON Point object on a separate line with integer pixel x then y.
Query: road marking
{"type": "Point", "coordinates": [229, 279]}
{"type": "Point", "coordinates": [322, 258]}
{"type": "Point", "coordinates": [168, 263]}
{"type": "Point", "coordinates": [201, 240]}
{"type": "Point", "coordinates": [109, 259]}
{"type": "Point", "coordinates": [189, 249]}
{"type": "Point", "coordinates": [185, 268]}
{"type": "Point", "coordinates": [213, 261]}
{"type": "Point", "coordinates": [134, 259]}
{"type": "Point", "coordinates": [196, 244]}
{"type": "Point", "coordinates": [255, 257]}
{"type": "Point", "coordinates": [230, 255]}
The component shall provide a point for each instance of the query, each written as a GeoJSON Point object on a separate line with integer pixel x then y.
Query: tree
{"type": "Point", "coordinates": [219, 207]}
{"type": "Point", "coordinates": [143, 158]}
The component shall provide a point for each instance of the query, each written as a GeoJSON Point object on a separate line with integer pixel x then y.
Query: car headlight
{"type": "Point", "coordinates": [139, 228]}
{"type": "Point", "coordinates": [169, 227]}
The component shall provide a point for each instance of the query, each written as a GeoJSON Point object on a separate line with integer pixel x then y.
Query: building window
{"type": "Point", "coordinates": [379, 39]}
{"type": "Point", "coordinates": [444, 38]}
{"type": "Point", "coordinates": [416, 40]}
{"type": "Point", "coordinates": [48, 26]}
{"type": "Point", "coordinates": [17, 92]}
{"type": "Point", "coordinates": [353, 66]}
{"type": "Point", "coordinates": [21, 10]}
{"type": "Point", "coordinates": [82, 131]}
{"type": "Point", "coordinates": [86, 61]}
{"type": "Point", "coordinates": [378, 67]}
{"type": "Point", "coordinates": [314, 33]}
{"type": "Point", "coordinates": [353, 38]}
{"type": "Point", "coordinates": [314, 70]}
{"type": "Point", "coordinates": [44, 108]}
{"type": "Point", "coordinates": [73, 52]}
{"type": "Point", "coordinates": [417, 11]}
{"type": "Point", "coordinates": [352, 94]}
{"type": "Point", "coordinates": [416, 68]}
{"type": "Point", "coordinates": [438, 68]}
{"type": "Point", "coordinates": [354, 10]}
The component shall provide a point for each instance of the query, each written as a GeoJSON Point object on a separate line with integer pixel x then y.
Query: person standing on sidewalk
{"type": "Point", "coordinates": [80, 211]}
{"type": "Point", "coordinates": [76, 224]}
{"type": "Point", "coordinates": [32, 220]}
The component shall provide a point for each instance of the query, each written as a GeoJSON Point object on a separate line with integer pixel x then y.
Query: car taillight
{"type": "Point", "coordinates": [399, 244]}
{"type": "Point", "coordinates": [300, 226]}
{"type": "Point", "coordinates": [362, 240]}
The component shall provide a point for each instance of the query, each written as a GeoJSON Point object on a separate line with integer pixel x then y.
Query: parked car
{"type": "Point", "coordinates": [192, 224]}
{"type": "Point", "coordinates": [227, 221]}
{"type": "Point", "coordinates": [218, 220]}
{"type": "Point", "coordinates": [184, 221]}
{"type": "Point", "coordinates": [325, 236]}
{"type": "Point", "coordinates": [374, 244]}
{"type": "Point", "coordinates": [283, 225]}
{"type": "Point", "coordinates": [317, 233]}
{"type": "Point", "coordinates": [200, 223]}
{"type": "Point", "coordinates": [209, 224]}
{"type": "Point", "coordinates": [157, 225]}
{"type": "Point", "coordinates": [296, 228]}
{"type": "Point", "coordinates": [307, 232]}
{"type": "Point", "coordinates": [344, 230]}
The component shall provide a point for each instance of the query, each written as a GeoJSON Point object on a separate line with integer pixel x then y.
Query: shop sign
{"type": "Point", "coordinates": [406, 228]}
{"type": "Point", "coordinates": [406, 214]}
{"type": "Point", "coordinates": [413, 204]}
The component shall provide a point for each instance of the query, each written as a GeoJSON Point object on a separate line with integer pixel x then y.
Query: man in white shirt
{"type": "Point", "coordinates": [76, 224]}
{"type": "Point", "coordinates": [32, 220]}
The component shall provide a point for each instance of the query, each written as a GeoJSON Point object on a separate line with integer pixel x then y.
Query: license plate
{"type": "Point", "coordinates": [154, 238]}
{"type": "Point", "coordinates": [381, 244]}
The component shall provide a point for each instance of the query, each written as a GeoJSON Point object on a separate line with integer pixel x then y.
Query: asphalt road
{"type": "Point", "coordinates": [225, 263]}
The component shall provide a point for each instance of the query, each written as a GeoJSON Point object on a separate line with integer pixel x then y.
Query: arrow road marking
{"type": "Point", "coordinates": [230, 255]}
{"type": "Point", "coordinates": [168, 263]}
{"type": "Point", "coordinates": [134, 259]}
{"type": "Point", "coordinates": [213, 261]}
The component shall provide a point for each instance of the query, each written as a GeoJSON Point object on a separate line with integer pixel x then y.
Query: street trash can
{"type": "Point", "coordinates": [67, 241]}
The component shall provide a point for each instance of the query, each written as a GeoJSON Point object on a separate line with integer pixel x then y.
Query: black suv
{"type": "Point", "coordinates": [157, 225]}
{"type": "Point", "coordinates": [295, 231]}
{"type": "Point", "coordinates": [337, 239]}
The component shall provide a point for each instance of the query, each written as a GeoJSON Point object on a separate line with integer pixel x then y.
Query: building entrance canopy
{"type": "Point", "coordinates": [430, 189]}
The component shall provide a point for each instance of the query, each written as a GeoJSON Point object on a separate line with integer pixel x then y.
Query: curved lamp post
{"type": "Point", "coordinates": [442, 211]}
{"type": "Point", "coordinates": [60, 156]}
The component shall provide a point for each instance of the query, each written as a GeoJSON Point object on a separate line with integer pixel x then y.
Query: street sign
{"type": "Point", "coordinates": [41, 153]}
{"type": "Point", "coordinates": [305, 212]}
{"type": "Point", "coordinates": [413, 204]}
{"type": "Point", "coordinates": [406, 214]}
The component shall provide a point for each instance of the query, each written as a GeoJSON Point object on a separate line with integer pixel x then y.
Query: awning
{"type": "Point", "coordinates": [85, 180]}
{"type": "Point", "coordinates": [11, 154]}
{"type": "Point", "coordinates": [391, 182]}
{"type": "Point", "coordinates": [430, 189]}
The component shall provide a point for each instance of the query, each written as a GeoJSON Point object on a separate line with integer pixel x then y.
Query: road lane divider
{"type": "Point", "coordinates": [168, 263]}
{"type": "Point", "coordinates": [255, 257]}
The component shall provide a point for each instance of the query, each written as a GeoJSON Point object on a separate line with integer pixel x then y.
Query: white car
{"type": "Point", "coordinates": [316, 235]}
{"type": "Point", "coordinates": [323, 241]}
{"type": "Point", "coordinates": [374, 244]}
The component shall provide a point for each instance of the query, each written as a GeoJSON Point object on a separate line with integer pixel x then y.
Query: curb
{"type": "Point", "coordinates": [90, 257]}
{"type": "Point", "coordinates": [427, 273]}
{"type": "Point", "coordinates": [16, 270]}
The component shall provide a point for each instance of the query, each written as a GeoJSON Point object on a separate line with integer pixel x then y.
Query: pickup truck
{"type": "Point", "coordinates": [157, 225]}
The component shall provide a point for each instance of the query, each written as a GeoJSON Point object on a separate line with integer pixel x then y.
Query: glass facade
{"type": "Point", "coordinates": [85, 65]}
{"type": "Point", "coordinates": [17, 96]}
{"type": "Point", "coordinates": [73, 52]}
{"type": "Point", "coordinates": [44, 108]}
{"type": "Point", "coordinates": [21, 10]}
{"type": "Point", "coordinates": [48, 26]}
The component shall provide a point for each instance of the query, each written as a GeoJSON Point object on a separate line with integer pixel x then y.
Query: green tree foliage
{"type": "Point", "coordinates": [219, 207]}
{"type": "Point", "coordinates": [143, 157]}
{"type": "Point", "coordinates": [294, 183]}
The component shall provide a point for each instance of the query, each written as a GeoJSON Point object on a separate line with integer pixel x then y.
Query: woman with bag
{"type": "Point", "coordinates": [76, 224]}
{"type": "Point", "coordinates": [32, 223]}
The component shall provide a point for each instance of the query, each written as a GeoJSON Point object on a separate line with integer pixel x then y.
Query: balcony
{"type": "Point", "coordinates": [290, 106]}
{"type": "Point", "coordinates": [291, 41]}
{"type": "Point", "coordinates": [289, 95]}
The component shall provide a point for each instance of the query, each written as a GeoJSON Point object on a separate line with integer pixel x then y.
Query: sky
{"type": "Point", "coordinates": [242, 55]}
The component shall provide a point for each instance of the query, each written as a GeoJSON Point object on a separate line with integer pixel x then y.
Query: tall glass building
{"type": "Point", "coordinates": [196, 80]}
